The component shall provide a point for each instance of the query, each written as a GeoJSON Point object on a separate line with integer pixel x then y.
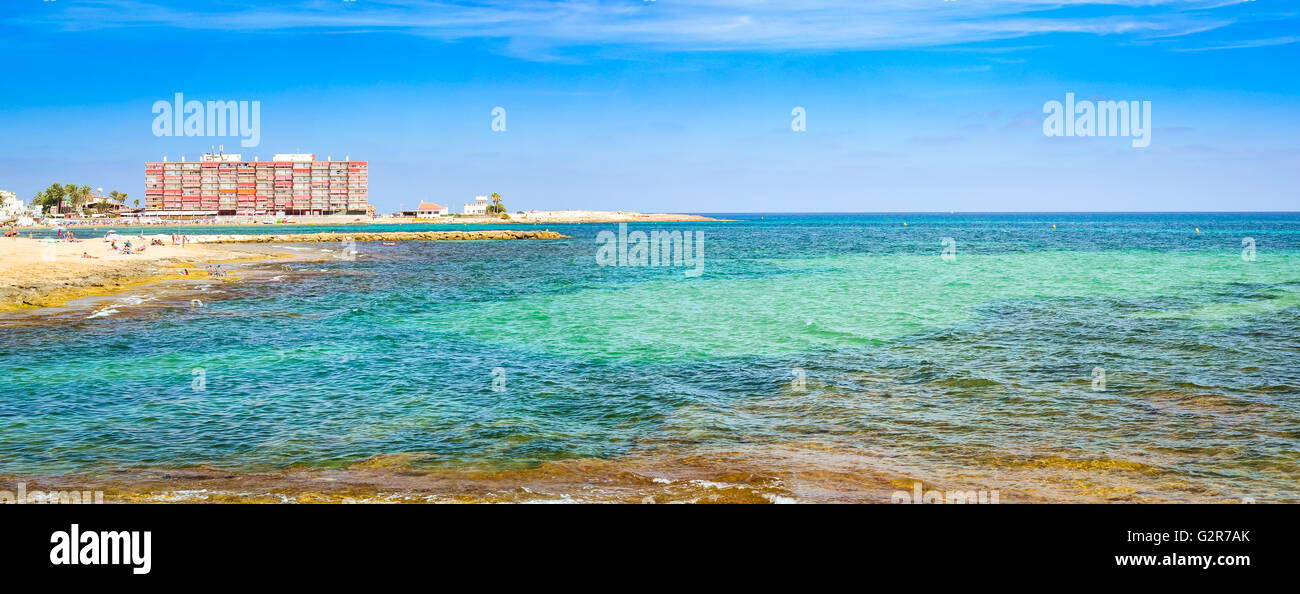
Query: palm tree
{"type": "Point", "coordinates": [54, 196]}
{"type": "Point", "coordinates": [83, 195]}
{"type": "Point", "coordinates": [497, 207]}
{"type": "Point", "coordinates": [71, 196]}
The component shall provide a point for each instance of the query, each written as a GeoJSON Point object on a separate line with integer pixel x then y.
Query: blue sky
{"type": "Point", "coordinates": [665, 106]}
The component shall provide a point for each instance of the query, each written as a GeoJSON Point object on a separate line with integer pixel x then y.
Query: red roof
{"type": "Point", "coordinates": [426, 206]}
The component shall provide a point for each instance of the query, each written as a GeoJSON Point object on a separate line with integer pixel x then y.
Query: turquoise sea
{"type": "Point", "coordinates": [1115, 356]}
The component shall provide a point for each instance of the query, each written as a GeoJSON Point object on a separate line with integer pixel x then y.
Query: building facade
{"type": "Point", "coordinates": [10, 205]}
{"type": "Point", "coordinates": [478, 207]}
{"type": "Point", "coordinates": [225, 184]}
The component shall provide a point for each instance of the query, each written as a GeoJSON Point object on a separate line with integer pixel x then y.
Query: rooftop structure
{"type": "Point", "coordinates": [431, 209]}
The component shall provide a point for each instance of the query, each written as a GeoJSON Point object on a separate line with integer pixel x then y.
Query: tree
{"type": "Point", "coordinates": [69, 198]}
{"type": "Point", "coordinates": [496, 206]}
{"type": "Point", "coordinates": [83, 194]}
{"type": "Point", "coordinates": [52, 197]}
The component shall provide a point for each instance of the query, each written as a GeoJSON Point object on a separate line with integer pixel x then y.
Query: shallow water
{"type": "Point", "coordinates": [980, 369]}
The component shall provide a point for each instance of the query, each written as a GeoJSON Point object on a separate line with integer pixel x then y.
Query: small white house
{"type": "Point", "coordinates": [478, 207]}
{"type": "Point", "coordinates": [10, 205]}
{"type": "Point", "coordinates": [429, 209]}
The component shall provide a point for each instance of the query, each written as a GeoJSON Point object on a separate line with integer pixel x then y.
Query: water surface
{"type": "Point", "coordinates": [979, 369]}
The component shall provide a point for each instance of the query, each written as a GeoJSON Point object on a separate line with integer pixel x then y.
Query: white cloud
{"type": "Point", "coordinates": [667, 24]}
{"type": "Point", "coordinates": [1243, 44]}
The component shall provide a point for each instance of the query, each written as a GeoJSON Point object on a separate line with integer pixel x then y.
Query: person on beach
{"type": "Point", "coordinates": [87, 255]}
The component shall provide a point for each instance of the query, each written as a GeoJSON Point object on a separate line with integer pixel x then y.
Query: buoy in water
{"type": "Point", "coordinates": [1053, 226]}
{"type": "Point", "coordinates": [1198, 229]}
{"type": "Point", "coordinates": [904, 224]}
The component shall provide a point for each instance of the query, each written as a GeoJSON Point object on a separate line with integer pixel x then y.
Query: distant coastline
{"type": "Point", "coordinates": [533, 217]}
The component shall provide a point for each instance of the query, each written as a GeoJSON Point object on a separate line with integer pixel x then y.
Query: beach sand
{"type": "Point", "coordinates": [36, 273]}
{"type": "Point", "coordinates": [42, 273]}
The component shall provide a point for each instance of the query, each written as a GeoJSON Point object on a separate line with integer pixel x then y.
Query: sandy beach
{"type": "Point", "coordinates": [45, 273]}
{"type": "Point", "coordinates": [37, 273]}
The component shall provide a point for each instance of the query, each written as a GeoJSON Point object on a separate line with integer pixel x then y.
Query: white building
{"type": "Point", "coordinates": [478, 207]}
{"type": "Point", "coordinates": [10, 205]}
{"type": "Point", "coordinates": [430, 210]}
{"type": "Point", "coordinates": [11, 208]}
